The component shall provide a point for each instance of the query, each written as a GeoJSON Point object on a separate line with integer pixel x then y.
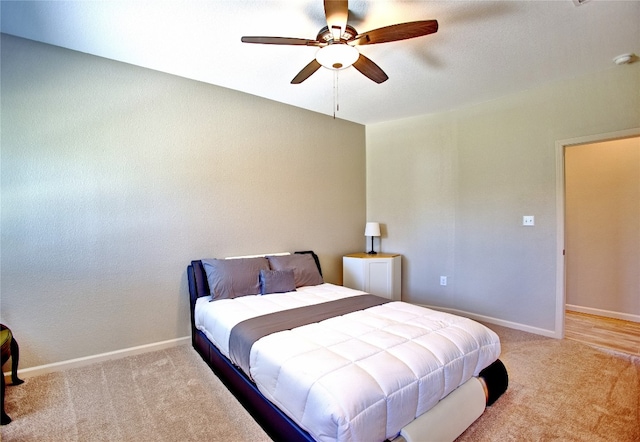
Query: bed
{"type": "Point", "coordinates": [313, 361]}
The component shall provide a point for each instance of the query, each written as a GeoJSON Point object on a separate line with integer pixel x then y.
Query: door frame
{"type": "Point", "coordinates": [561, 145]}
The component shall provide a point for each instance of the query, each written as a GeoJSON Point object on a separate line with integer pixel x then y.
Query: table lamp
{"type": "Point", "coordinates": [372, 229]}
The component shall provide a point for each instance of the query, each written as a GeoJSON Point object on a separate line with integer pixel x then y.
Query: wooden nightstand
{"type": "Point", "coordinates": [378, 274]}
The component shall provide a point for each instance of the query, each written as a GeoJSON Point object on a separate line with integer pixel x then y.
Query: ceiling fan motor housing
{"type": "Point", "coordinates": [325, 35]}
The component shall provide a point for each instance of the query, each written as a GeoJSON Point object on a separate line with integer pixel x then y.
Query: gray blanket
{"type": "Point", "coordinates": [245, 333]}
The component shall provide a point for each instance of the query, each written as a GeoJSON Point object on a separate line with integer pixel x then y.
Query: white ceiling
{"type": "Point", "coordinates": [483, 49]}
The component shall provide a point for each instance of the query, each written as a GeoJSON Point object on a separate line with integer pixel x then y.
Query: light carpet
{"type": "Point", "coordinates": [559, 390]}
{"type": "Point", "coordinates": [169, 395]}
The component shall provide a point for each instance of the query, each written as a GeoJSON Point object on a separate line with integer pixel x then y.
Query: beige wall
{"type": "Point", "coordinates": [114, 177]}
{"type": "Point", "coordinates": [452, 189]}
{"type": "Point", "coordinates": [603, 227]}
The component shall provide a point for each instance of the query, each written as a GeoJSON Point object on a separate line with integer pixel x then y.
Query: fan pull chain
{"type": "Point", "coordinates": [336, 104]}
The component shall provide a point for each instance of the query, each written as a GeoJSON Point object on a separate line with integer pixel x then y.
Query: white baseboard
{"type": "Point", "coordinates": [88, 360]}
{"type": "Point", "coordinates": [502, 322]}
{"type": "Point", "coordinates": [605, 313]}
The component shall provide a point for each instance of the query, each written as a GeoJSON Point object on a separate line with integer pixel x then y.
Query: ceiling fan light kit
{"type": "Point", "coordinates": [337, 56]}
{"type": "Point", "coordinates": [337, 42]}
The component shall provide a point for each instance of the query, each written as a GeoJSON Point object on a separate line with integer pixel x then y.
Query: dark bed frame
{"type": "Point", "coordinates": [272, 420]}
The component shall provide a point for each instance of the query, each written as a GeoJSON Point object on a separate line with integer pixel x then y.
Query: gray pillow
{"type": "Point", "coordinates": [277, 281]}
{"type": "Point", "coordinates": [305, 270]}
{"type": "Point", "coordinates": [231, 278]}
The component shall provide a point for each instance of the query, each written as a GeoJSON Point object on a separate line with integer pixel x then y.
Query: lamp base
{"type": "Point", "coordinates": [372, 252]}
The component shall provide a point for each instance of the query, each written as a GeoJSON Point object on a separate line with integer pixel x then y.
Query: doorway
{"type": "Point", "coordinates": [597, 265]}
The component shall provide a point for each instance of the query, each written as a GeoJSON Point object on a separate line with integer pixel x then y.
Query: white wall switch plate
{"type": "Point", "coordinates": [528, 220]}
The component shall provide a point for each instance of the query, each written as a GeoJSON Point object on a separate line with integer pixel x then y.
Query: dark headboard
{"type": "Point", "coordinates": [198, 285]}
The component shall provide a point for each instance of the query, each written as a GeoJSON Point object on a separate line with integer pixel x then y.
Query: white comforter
{"type": "Point", "coordinates": [372, 371]}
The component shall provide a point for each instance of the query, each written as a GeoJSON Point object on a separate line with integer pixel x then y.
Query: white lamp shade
{"type": "Point", "coordinates": [372, 229]}
{"type": "Point", "coordinates": [337, 56]}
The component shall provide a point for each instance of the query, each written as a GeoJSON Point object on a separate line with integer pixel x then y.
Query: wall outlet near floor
{"type": "Point", "coordinates": [443, 280]}
{"type": "Point", "coordinates": [528, 220]}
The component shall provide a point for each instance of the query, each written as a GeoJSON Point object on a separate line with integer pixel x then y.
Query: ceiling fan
{"type": "Point", "coordinates": [338, 39]}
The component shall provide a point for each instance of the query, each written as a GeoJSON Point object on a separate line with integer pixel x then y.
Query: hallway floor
{"type": "Point", "coordinates": [613, 334]}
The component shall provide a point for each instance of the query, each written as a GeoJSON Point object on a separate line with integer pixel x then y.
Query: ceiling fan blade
{"type": "Point", "coordinates": [370, 70]}
{"type": "Point", "coordinates": [401, 31]}
{"type": "Point", "coordinates": [337, 13]}
{"type": "Point", "coordinates": [306, 72]}
{"type": "Point", "coordinates": [281, 41]}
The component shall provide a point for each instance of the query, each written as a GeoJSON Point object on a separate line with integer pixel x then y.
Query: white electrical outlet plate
{"type": "Point", "coordinates": [443, 280]}
{"type": "Point", "coordinates": [528, 220]}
